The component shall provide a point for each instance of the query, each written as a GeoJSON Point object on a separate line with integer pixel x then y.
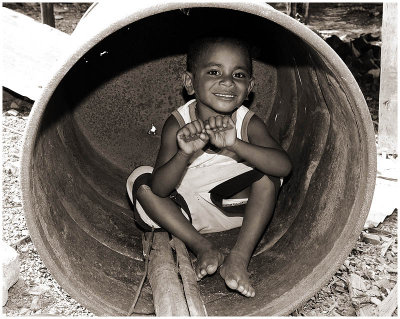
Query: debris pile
{"type": "Point", "coordinates": [362, 55]}
{"type": "Point", "coordinates": [366, 284]}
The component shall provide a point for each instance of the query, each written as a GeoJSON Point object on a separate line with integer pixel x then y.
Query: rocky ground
{"type": "Point", "coordinates": [361, 286]}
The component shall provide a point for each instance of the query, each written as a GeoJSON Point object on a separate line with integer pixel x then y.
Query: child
{"type": "Point", "coordinates": [214, 154]}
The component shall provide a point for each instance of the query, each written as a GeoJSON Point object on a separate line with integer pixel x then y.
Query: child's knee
{"type": "Point", "coordinates": [142, 188]}
{"type": "Point", "coordinates": [140, 175]}
{"type": "Point", "coordinates": [142, 191]}
{"type": "Point", "coordinates": [265, 185]}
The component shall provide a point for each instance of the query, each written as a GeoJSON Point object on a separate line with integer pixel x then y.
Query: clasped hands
{"type": "Point", "coordinates": [219, 130]}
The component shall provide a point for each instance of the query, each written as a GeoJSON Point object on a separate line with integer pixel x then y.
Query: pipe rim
{"type": "Point", "coordinates": [330, 57]}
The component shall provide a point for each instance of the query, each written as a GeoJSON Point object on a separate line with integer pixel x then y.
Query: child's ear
{"type": "Point", "coordinates": [251, 85]}
{"type": "Point", "coordinates": [188, 82]}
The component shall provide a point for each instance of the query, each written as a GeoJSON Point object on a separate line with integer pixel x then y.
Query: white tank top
{"type": "Point", "coordinates": [187, 113]}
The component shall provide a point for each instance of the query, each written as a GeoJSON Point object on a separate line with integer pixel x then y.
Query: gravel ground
{"type": "Point", "coordinates": [37, 293]}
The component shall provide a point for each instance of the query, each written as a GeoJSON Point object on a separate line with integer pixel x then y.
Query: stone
{"type": "Point", "coordinates": [371, 239]}
{"type": "Point", "coordinates": [10, 263]}
{"type": "Point", "coordinates": [36, 304]}
{"type": "Point", "coordinates": [15, 105]}
{"type": "Point", "coordinates": [376, 73]}
{"type": "Point", "coordinates": [24, 311]}
{"type": "Point", "coordinates": [12, 168]}
{"type": "Point", "coordinates": [376, 301]}
{"type": "Point", "coordinates": [39, 290]}
{"type": "Point", "coordinates": [12, 112]}
{"type": "Point", "coordinates": [356, 286]}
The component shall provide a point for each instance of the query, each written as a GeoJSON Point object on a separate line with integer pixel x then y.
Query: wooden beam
{"type": "Point", "coordinates": [47, 12]}
{"type": "Point", "coordinates": [306, 7]}
{"type": "Point", "coordinates": [31, 50]}
{"type": "Point", "coordinates": [388, 305]}
{"type": "Point", "coordinates": [189, 280]}
{"type": "Point", "coordinates": [168, 296]}
{"type": "Point", "coordinates": [388, 109]}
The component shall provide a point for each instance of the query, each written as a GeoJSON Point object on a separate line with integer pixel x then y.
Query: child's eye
{"type": "Point", "coordinates": [239, 75]}
{"type": "Point", "coordinates": [213, 72]}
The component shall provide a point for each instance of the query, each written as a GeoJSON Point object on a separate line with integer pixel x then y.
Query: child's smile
{"type": "Point", "coordinates": [222, 79]}
{"type": "Point", "coordinates": [225, 96]}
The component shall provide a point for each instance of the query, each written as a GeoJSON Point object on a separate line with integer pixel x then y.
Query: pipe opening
{"type": "Point", "coordinates": [94, 131]}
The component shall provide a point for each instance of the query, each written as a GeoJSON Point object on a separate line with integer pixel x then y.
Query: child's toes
{"type": "Point", "coordinates": [211, 269]}
{"type": "Point", "coordinates": [252, 292]}
{"type": "Point", "coordinates": [200, 272]}
{"type": "Point", "coordinates": [249, 291]}
{"type": "Point", "coordinates": [232, 283]}
{"type": "Point", "coordinates": [244, 287]}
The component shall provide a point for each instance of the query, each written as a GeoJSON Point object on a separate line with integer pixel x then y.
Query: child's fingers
{"type": "Point", "coordinates": [202, 125]}
{"type": "Point", "coordinates": [211, 134]}
{"type": "Point", "coordinates": [192, 128]}
{"type": "Point", "coordinates": [207, 125]}
{"type": "Point", "coordinates": [211, 122]}
{"type": "Point", "coordinates": [225, 121]}
{"type": "Point", "coordinates": [198, 127]}
{"type": "Point", "coordinates": [204, 137]}
{"type": "Point", "coordinates": [184, 132]}
{"type": "Point", "coordinates": [218, 122]}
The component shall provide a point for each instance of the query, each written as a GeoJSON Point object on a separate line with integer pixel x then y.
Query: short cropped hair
{"type": "Point", "coordinates": [200, 45]}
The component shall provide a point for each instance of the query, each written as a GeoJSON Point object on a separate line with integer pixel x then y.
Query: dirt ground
{"type": "Point", "coordinates": [371, 267]}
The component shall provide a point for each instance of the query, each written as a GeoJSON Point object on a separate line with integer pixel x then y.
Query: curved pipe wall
{"type": "Point", "coordinates": [89, 129]}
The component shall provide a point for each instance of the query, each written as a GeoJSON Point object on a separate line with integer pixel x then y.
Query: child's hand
{"type": "Point", "coordinates": [192, 137]}
{"type": "Point", "coordinates": [221, 130]}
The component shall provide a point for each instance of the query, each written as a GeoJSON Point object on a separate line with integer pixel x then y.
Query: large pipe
{"type": "Point", "coordinates": [88, 131]}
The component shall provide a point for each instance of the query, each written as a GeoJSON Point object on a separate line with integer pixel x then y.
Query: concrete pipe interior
{"type": "Point", "coordinates": [87, 135]}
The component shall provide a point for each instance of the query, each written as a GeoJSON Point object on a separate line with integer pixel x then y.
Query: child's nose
{"type": "Point", "coordinates": [227, 80]}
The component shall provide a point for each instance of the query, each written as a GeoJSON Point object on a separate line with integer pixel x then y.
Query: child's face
{"type": "Point", "coordinates": [222, 79]}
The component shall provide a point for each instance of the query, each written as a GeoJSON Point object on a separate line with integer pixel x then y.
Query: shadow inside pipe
{"type": "Point", "coordinates": [94, 132]}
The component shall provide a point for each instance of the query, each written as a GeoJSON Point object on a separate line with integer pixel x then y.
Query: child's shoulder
{"type": "Point", "coordinates": [178, 118]}
{"type": "Point", "coordinates": [185, 113]}
{"type": "Point", "coordinates": [258, 133]}
{"type": "Point", "coordinates": [257, 127]}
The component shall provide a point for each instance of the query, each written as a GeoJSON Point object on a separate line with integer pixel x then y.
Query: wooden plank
{"type": "Point", "coordinates": [388, 305]}
{"type": "Point", "coordinates": [388, 112]}
{"type": "Point", "coordinates": [168, 296]}
{"type": "Point", "coordinates": [189, 280]}
{"type": "Point", "coordinates": [47, 12]}
{"type": "Point", "coordinates": [306, 7]}
{"type": "Point", "coordinates": [30, 52]}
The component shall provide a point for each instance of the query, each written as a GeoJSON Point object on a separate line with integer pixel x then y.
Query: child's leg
{"type": "Point", "coordinates": [166, 213]}
{"type": "Point", "coordinates": [258, 213]}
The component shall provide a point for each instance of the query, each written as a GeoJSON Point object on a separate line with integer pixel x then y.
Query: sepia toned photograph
{"type": "Point", "coordinates": [168, 158]}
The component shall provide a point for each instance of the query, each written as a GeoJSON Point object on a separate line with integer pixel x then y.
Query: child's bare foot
{"type": "Point", "coordinates": [234, 272]}
{"type": "Point", "coordinates": [208, 262]}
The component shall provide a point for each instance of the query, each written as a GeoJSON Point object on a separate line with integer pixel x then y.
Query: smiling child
{"type": "Point", "coordinates": [217, 168]}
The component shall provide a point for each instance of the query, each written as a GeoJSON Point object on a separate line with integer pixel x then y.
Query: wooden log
{"type": "Point", "coordinates": [47, 12]}
{"type": "Point", "coordinates": [27, 74]}
{"type": "Point", "coordinates": [388, 305]}
{"type": "Point", "coordinates": [291, 9]}
{"type": "Point", "coordinates": [306, 7]}
{"type": "Point", "coordinates": [388, 113]}
{"type": "Point", "coordinates": [168, 296]}
{"type": "Point", "coordinates": [189, 280]}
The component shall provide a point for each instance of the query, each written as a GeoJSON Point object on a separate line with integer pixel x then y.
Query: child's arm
{"type": "Point", "coordinates": [262, 151]}
{"type": "Point", "coordinates": [175, 151]}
